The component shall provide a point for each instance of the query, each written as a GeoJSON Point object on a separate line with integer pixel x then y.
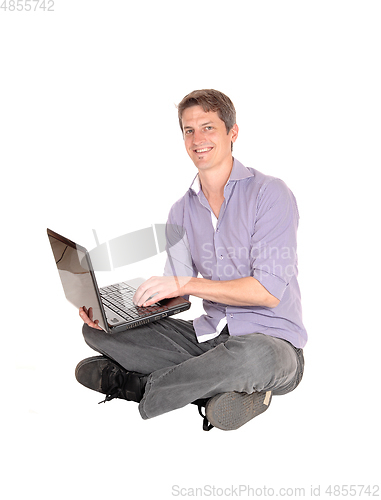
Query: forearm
{"type": "Point", "coordinates": [239, 292]}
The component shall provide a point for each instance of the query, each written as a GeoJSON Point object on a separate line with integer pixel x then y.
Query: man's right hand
{"type": "Point", "coordinates": [87, 316]}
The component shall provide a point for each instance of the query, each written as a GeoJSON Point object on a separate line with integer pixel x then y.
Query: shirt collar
{"type": "Point", "coordinates": [238, 173]}
{"type": "Point", "coordinates": [196, 185]}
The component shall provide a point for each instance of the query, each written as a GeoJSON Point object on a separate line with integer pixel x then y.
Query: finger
{"type": "Point", "coordinates": [146, 297]}
{"type": "Point", "coordinates": [83, 313]}
{"type": "Point", "coordinates": [84, 316]}
{"type": "Point", "coordinates": [90, 314]}
{"type": "Point", "coordinates": [139, 294]}
{"type": "Point", "coordinates": [93, 323]}
{"type": "Point", "coordinates": [152, 299]}
{"type": "Point", "coordinates": [143, 289]}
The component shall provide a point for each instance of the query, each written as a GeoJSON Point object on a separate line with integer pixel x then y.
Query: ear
{"type": "Point", "coordinates": [234, 131]}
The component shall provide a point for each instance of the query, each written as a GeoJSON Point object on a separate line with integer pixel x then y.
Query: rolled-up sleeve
{"type": "Point", "coordinates": [273, 242]}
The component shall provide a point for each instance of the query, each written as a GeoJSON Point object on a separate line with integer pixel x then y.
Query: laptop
{"type": "Point", "coordinates": [112, 305]}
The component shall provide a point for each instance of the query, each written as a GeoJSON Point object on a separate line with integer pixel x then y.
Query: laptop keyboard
{"type": "Point", "coordinates": [118, 298]}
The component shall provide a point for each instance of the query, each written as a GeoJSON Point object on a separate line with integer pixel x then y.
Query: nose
{"type": "Point", "coordinates": [198, 137]}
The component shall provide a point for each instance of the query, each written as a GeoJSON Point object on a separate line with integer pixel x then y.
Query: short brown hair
{"type": "Point", "coordinates": [210, 100]}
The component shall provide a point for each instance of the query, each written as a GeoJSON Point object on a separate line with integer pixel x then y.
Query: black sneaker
{"type": "Point", "coordinates": [101, 374]}
{"type": "Point", "coordinates": [230, 410]}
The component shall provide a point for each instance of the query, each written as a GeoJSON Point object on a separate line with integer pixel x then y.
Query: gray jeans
{"type": "Point", "coordinates": [181, 370]}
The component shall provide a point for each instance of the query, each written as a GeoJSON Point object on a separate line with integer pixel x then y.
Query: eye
{"type": "Point", "coordinates": [188, 131]}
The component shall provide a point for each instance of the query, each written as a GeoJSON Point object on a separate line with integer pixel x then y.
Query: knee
{"type": "Point", "coordinates": [266, 361]}
{"type": "Point", "coordinates": [91, 335]}
{"type": "Point", "coordinates": [86, 330]}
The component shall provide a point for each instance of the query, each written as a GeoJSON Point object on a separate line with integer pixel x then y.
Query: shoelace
{"type": "Point", "coordinates": [115, 382]}
{"type": "Point", "coordinates": [201, 403]}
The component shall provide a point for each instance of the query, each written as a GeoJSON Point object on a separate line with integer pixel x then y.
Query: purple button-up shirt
{"type": "Point", "coordinates": [254, 235]}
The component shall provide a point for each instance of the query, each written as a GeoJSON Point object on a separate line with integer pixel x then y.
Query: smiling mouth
{"type": "Point", "coordinates": [203, 150]}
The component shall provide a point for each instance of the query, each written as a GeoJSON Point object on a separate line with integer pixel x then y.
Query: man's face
{"type": "Point", "coordinates": [205, 137]}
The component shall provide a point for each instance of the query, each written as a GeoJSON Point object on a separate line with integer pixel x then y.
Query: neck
{"type": "Point", "coordinates": [213, 181]}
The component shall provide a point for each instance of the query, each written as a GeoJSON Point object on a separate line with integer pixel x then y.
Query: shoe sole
{"type": "Point", "coordinates": [231, 410]}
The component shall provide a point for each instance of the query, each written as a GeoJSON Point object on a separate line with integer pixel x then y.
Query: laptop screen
{"type": "Point", "coordinates": [77, 279]}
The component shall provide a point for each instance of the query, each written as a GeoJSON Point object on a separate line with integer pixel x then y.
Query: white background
{"type": "Point", "coordinates": [89, 139]}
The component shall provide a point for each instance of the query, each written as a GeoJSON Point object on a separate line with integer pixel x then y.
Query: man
{"type": "Point", "coordinates": [239, 233]}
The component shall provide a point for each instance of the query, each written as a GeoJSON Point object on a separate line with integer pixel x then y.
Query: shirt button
{"type": "Point", "coordinates": [232, 315]}
{"type": "Point", "coordinates": [221, 257]}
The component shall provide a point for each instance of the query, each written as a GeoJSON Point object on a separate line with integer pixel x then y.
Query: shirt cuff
{"type": "Point", "coordinates": [276, 286]}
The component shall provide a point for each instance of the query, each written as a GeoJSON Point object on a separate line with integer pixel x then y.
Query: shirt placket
{"type": "Point", "coordinates": [219, 250]}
